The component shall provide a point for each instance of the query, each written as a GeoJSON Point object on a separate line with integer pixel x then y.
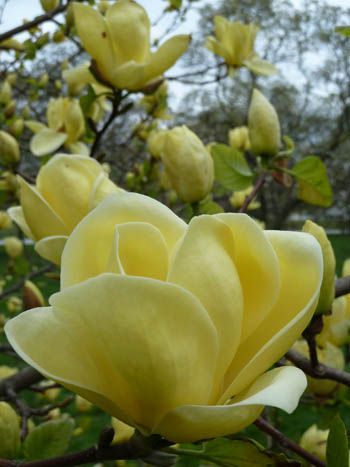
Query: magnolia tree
{"type": "Point", "coordinates": [165, 309]}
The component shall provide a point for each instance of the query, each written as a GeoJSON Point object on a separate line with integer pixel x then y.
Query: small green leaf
{"type": "Point", "coordinates": [49, 439]}
{"type": "Point", "coordinates": [289, 146]}
{"type": "Point", "coordinates": [208, 206]}
{"type": "Point", "coordinates": [313, 183]}
{"type": "Point", "coordinates": [87, 100]}
{"type": "Point", "coordinates": [344, 30]}
{"type": "Point", "coordinates": [337, 444]}
{"type": "Point", "coordinates": [231, 168]}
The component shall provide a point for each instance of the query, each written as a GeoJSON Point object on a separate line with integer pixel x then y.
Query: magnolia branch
{"type": "Point", "coordinates": [35, 22]}
{"type": "Point", "coordinates": [287, 443]}
{"type": "Point", "coordinates": [257, 187]}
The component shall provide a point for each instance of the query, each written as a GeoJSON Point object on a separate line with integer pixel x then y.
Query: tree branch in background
{"type": "Point", "coordinates": [287, 443]}
{"type": "Point", "coordinates": [342, 286]}
{"type": "Point", "coordinates": [35, 22]}
{"type": "Point", "coordinates": [257, 187]}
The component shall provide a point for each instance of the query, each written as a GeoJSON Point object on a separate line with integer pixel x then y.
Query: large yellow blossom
{"type": "Point", "coordinates": [172, 328]}
{"type": "Point", "coordinates": [119, 43]}
{"type": "Point", "coordinates": [67, 188]}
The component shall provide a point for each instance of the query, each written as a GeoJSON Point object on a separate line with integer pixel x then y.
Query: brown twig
{"type": "Point", "coordinates": [321, 371]}
{"type": "Point", "coordinates": [342, 286]}
{"type": "Point", "coordinates": [21, 380]}
{"type": "Point", "coordinates": [257, 187]}
{"type": "Point", "coordinates": [287, 443]}
{"type": "Point", "coordinates": [35, 22]}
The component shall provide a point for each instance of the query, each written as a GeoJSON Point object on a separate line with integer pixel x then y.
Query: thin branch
{"type": "Point", "coordinates": [321, 371]}
{"type": "Point", "coordinates": [35, 22]}
{"type": "Point", "coordinates": [342, 286]}
{"type": "Point", "coordinates": [257, 187]}
{"type": "Point", "coordinates": [19, 381]}
{"type": "Point", "coordinates": [287, 443]}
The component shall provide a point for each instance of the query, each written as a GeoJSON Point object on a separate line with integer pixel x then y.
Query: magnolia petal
{"type": "Point", "coordinates": [257, 268]}
{"type": "Point", "coordinates": [204, 265]}
{"type": "Point", "coordinates": [260, 66]}
{"type": "Point", "coordinates": [51, 248]}
{"type": "Point", "coordinates": [280, 387]}
{"type": "Point", "coordinates": [34, 126]}
{"type": "Point", "coordinates": [102, 187]}
{"type": "Point", "coordinates": [16, 214]}
{"type": "Point", "coordinates": [92, 30]}
{"type": "Point", "coordinates": [214, 46]}
{"type": "Point", "coordinates": [130, 75]}
{"type": "Point", "coordinates": [142, 250]}
{"type": "Point", "coordinates": [78, 148]}
{"type": "Point", "coordinates": [102, 328]}
{"type": "Point", "coordinates": [96, 233]}
{"type": "Point", "coordinates": [167, 55]}
{"type": "Point", "coordinates": [42, 220]}
{"type": "Point", "coordinates": [301, 271]}
{"type": "Point", "coordinates": [46, 141]}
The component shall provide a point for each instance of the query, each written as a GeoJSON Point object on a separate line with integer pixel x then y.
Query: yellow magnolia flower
{"type": "Point", "coordinates": [173, 327]}
{"type": "Point", "coordinates": [9, 431]}
{"type": "Point", "coordinates": [119, 43]}
{"type": "Point", "coordinates": [66, 125]}
{"type": "Point", "coordinates": [238, 198]}
{"type": "Point", "coordinates": [336, 326]}
{"type": "Point", "coordinates": [239, 138]}
{"type": "Point", "coordinates": [314, 441]}
{"type": "Point", "coordinates": [9, 149]}
{"type": "Point", "coordinates": [67, 188]}
{"type": "Point", "coordinates": [187, 162]}
{"type": "Point", "coordinates": [234, 41]}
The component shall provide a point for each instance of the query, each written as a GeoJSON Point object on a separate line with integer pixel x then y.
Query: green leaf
{"type": "Point", "coordinates": [208, 206]}
{"type": "Point", "coordinates": [231, 168]}
{"type": "Point", "coordinates": [87, 100]}
{"type": "Point", "coordinates": [313, 183]}
{"type": "Point", "coordinates": [344, 30]}
{"type": "Point", "coordinates": [49, 439]}
{"type": "Point", "coordinates": [337, 444]}
{"type": "Point", "coordinates": [289, 146]}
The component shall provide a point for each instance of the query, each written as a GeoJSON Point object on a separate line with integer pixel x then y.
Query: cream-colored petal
{"type": "Point", "coordinates": [77, 148]}
{"type": "Point", "coordinates": [93, 33]}
{"type": "Point", "coordinates": [42, 220]}
{"type": "Point", "coordinates": [46, 142]}
{"type": "Point", "coordinates": [66, 182]}
{"type": "Point", "coordinates": [167, 55]}
{"type": "Point", "coordinates": [144, 346]}
{"type": "Point", "coordinates": [142, 250]}
{"type": "Point", "coordinates": [34, 126]}
{"type": "Point", "coordinates": [74, 122]}
{"type": "Point", "coordinates": [16, 214]}
{"type": "Point", "coordinates": [301, 271]}
{"type": "Point", "coordinates": [257, 267]}
{"type": "Point", "coordinates": [281, 387]}
{"type": "Point", "coordinates": [217, 48]}
{"type": "Point", "coordinates": [204, 265]}
{"type": "Point", "coordinates": [260, 66]}
{"type": "Point", "coordinates": [96, 233]}
{"type": "Point", "coordinates": [129, 29]}
{"type": "Point", "coordinates": [51, 248]}
{"type": "Point", "coordinates": [102, 187]}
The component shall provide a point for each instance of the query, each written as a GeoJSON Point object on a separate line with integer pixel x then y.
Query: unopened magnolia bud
{"type": "Point", "coordinates": [264, 126]}
{"type": "Point", "coordinates": [26, 112]}
{"type": "Point", "coordinates": [82, 404]}
{"type": "Point", "coordinates": [5, 92]}
{"type": "Point", "coordinates": [5, 220]}
{"type": "Point", "coordinates": [49, 5]}
{"type": "Point", "coordinates": [155, 143]}
{"type": "Point", "coordinates": [327, 288]}
{"type": "Point", "coordinates": [58, 36]}
{"type": "Point", "coordinates": [13, 246]}
{"type": "Point", "coordinates": [314, 441]}
{"type": "Point", "coordinates": [14, 305]}
{"type": "Point", "coordinates": [239, 138]}
{"type": "Point", "coordinates": [9, 432]}
{"type": "Point", "coordinates": [122, 431]}
{"type": "Point", "coordinates": [336, 326]}
{"type": "Point", "coordinates": [10, 109]}
{"type": "Point", "coordinates": [32, 297]}
{"type": "Point", "coordinates": [16, 128]}
{"type": "Point", "coordinates": [70, 16]}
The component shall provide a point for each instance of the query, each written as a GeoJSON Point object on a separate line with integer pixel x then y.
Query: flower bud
{"type": "Point", "coordinates": [10, 109]}
{"type": "Point", "coordinates": [188, 164]}
{"type": "Point", "coordinates": [49, 5]}
{"type": "Point", "coordinates": [5, 220]}
{"type": "Point", "coordinates": [9, 149]}
{"type": "Point", "coordinates": [58, 36]}
{"type": "Point", "coordinates": [264, 126]}
{"type": "Point", "coordinates": [239, 138]}
{"type": "Point", "coordinates": [9, 432]}
{"type": "Point", "coordinates": [155, 143]}
{"type": "Point", "coordinates": [336, 326]}
{"type": "Point", "coordinates": [14, 305]}
{"type": "Point", "coordinates": [13, 246]}
{"type": "Point", "coordinates": [122, 431]}
{"type": "Point", "coordinates": [314, 441]}
{"type": "Point", "coordinates": [16, 129]}
{"type": "Point", "coordinates": [238, 198]}
{"type": "Point", "coordinates": [43, 80]}
{"type": "Point", "coordinates": [329, 355]}
{"type": "Point", "coordinates": [327, 289]}
{"type": "Point", "coordinates": [32, 297]}
{"type": "Point", "coordinates": [5, 93]}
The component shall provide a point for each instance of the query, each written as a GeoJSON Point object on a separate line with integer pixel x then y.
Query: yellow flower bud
{"type": "Point", "coordinates": [7, 371]}
{"type": "Point", "coordinates": [239, 138]}
{"type": "Point", "coordinates": [5, 92]}
{"type": "Point", "coordinates": [188, 164]}
{"type": "Point", "coordinates": [314, 441]}
{"type": "Point", "coordinates": [49, 5]}
{"type": "Point", "coordinates": [9, 149]}
{"type": "Point", "coordinates": [43, 80]}
{"type": "Point", "coordinates": [122, 431]}
{"type": "Point", "coordinates": [10, 109]}
{"type": "Point", "coordinates": [264, 126]}
{"type": "Point", "coordinates": [9, 432]}
{"type": "Point", "coordinates": [329, 355]}
{"type": "Point", "coordinates": [13, 246]}
{"type": "Point", "coordinates": [58, 36]}
{"type": "Point", "coordinates": [238, 198]}
{"type": "Point", "coordinates": [327, 290]}
{"type": "Point", "coordinates": [155, 143]}
{"type": "Point", "coordinates": [119, 43]}
{"type": "Point", "coordinates": [16, 128]}
{"type": "Point", "coordinates": [32, 297]}
{"type": "Point", "coordinates": [5, 220]}
{"type": "Point", "coordinates": [336, 326]}
{"type": "Point", "coordinates": [14, 305]}
{"type": "Point", "coordinates": [82, 404]}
